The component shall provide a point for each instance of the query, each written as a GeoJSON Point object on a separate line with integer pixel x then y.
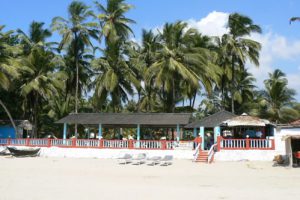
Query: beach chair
{"type": "Point", "coordinates": [167, 160]}
{"type": "Point", "coordinates": [139, 159]}
{"type": "Point", "coordinates": [155, 160]}
{"type": "Point", "coordinates": [126, 158]}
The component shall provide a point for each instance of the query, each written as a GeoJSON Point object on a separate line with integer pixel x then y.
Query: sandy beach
{"type": "Point", "coordinates": [68, 178]}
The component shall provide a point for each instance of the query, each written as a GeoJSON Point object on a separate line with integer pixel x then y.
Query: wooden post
{"type": "Point", "coordinates": [130, 144]}
{"type": "Point", "coordinates": [74, 142]}
{"type": "Point", "coordinates": [247, 143]}
{"type": "Point", "coordinates": [177, 132]}
{"type": "Point", "coordinates": [138, 132]}
{"type": "Point", "coordinates": [219, 143]}
{"type": "Point", "coordinates": [49, 142]}
{"type": "Point", "coordinates": [101, 143]}
{"type": "Point", "coordinates": [100, 131]}
{"type": "Point", "coordinates": [164, 144]}
{"type": "Point", "coordinates": [8, 141]}
{"type": "Point", "coordinates": [273, 144]}
{"type": "Point", "coordinates": [202, 136]}
{"type": "Point", "coordinates": [27, 142]}
{"type": "Point", "coordinates": [65, 131]}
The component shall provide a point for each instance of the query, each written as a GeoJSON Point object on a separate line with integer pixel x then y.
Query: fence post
{"type": "Point", "coordinates": [218, 143]}
{"type": "Point", "coordinates": [8, 141]}
{"type": "Point", "coordinates": [74, 142]}
{"type": "Point", "coordinates": [273, 144]}
{"type": "Point", "coordinates": [247, 143]}
{"type": "Point", "coordinates": [130, 144]}
{"type": "Point", "coordinates": [100, 143]}
{"type": "Point", "coordinates": [164, 144]}
{"type": "Point", "coordinates": [49, 142]}
{"type": "Point", "coordinates": [27, 142]}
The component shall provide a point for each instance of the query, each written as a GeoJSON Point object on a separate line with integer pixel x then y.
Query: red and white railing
{"type": "Point", "coordinates": [92, 143]}
{"type": "Point", "coordinates": [245, 144]}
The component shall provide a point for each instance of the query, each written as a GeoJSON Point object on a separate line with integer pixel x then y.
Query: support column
{"type": "Point", "coordinates": [195, 132]}
{"type": "Point", "coordinates": [201, 134]}
{"type": "Point", "coordinates": [217, 132]}
{"type": "Point", "coordinates": [65, 131]}
{"type": "Point", "coordinates": [178, 133]}
{"type": "Point", "coordinates": [100, 131]}
{"type": "Point", "coordinates": [138, 132]}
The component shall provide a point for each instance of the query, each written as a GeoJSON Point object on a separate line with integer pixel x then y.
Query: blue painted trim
{"type": "Point", "coordinates": [202, 136]}
{"type": "Point", "coordinates": [100, 131]}
{"type": "Point", "coordinates": [217, 132]}
{"type": "Point", "coordinates": [138, 132]}
{"type": "Point", "coordinates": [195, 132]}
{"type": "Point", "coordinates": [178, 132]}
{"type": "Point", "coordinates": [65, 131]}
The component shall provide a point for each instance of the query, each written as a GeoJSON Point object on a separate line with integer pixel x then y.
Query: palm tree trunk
{"type": "Point", "coordinates": [232, 85]}
{"type": "Point", "coordinates": [173, 95]}
{"type": "Point", "coordinates": [77, 81]}
{"type": "Point", "coordinates": [9, 115]}
{"type": "Point", "coordinates": [35, 114]}
{"type": "Point", "coordinates": [194, 99]}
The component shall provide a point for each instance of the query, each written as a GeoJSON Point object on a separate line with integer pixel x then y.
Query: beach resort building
{"type": "Point", "coordinates": [222, 136]}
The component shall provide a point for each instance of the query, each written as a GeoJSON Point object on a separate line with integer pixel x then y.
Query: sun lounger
{"type": "Point", "coordinates": [139, 159]}
{"type": "Point", "coordinates": [126, 158]}
{"type": "Point", "coordinates": [167, 160]}
{"type": "Point", "coordinates": [155, 160]}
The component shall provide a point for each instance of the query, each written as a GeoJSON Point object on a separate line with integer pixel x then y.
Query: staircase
{"type": "Point", "coordinates": [202, 157]}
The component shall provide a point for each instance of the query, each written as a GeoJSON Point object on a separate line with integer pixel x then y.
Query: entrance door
{"type": "Point", "coordinates": [295, 143]}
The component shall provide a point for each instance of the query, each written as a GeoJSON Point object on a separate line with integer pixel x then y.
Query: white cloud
{"type": "Point", "coordinates": [214, 24]}
{"type": "Point", "coordinates": [276, 49]}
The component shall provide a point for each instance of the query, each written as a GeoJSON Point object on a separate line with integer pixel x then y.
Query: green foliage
{"type": "Point", "coordinates": [96, 67]}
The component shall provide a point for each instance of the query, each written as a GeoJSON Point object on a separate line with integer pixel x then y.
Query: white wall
{"type": "Point", "coordinates": [240, 155]}
{"type": "Point", "coordinates": [110, 153]}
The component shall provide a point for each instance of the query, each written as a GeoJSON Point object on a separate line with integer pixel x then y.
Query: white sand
{"type": "Point", "coordinates": [66, 178]}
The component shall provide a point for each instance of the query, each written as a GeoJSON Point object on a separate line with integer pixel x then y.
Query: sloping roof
{"type": "Point", "coordinates": [212, 120]}
{"type": "Point", "coordinates": [245, 120]}
{"type": "Point", "coordinates": [128, 118]}
{"type": "Point", "coordinates": [297, 122]}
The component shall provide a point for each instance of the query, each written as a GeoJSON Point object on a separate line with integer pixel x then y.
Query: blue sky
{"type": "Point", "coordinates": [281, 41]}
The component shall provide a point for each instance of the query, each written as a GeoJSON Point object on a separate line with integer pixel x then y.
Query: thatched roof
{"type": "Point", "coordinates": [297, 122]}
{"type": "Point", "coordinates": [128, 119]}
{"type": "Point", "coordinates": [245, 120]}
{"type": "Point", "coordinates": [212, 120]}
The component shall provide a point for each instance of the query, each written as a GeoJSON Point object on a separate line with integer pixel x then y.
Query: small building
{"type": "Point", "coordinates": [175, 121]}
{"type": "Point", "coordinates": [246, 126]}
{"type": "Point", "coordinates": [209, 127]}
{"type": "Point", "coordinates": [24, 128]}
{"type": "Point", "coordinates": [290, 141]}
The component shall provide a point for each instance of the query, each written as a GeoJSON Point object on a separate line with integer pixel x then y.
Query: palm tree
{"type": "Point", "coordinates": [8, 68]}
{"type": "Point", "coordinates": [239, 48]}
{"type": "Point", "coordinates": [113, 22]}
{"type": "Point", "coordinates": [38, 80]}
{"type": "Point", "coordinates": [114, 77]}
{"type": "Point", "coordinates": [278, 96]}
{"type": "Point", "coordinates": [244, 92]}
{"type": "Point", "coordinates": [176, 62]}
{"type": "Point", "coordinates": [76, 32]}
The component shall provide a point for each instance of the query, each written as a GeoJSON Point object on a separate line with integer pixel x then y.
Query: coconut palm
{"type": "Point", "coordinates": [239, 48]}
{"type": "Point", "coordinates": [76, 32]}
{"type": "Point", "coordinates": [114, 77]}
{"type": "Point", "coordinates": [37, 65]}
{"type": "Point", "coordinates": [8, 68]}
{"type": "Point", "coordinates": [39, 81]}
{"type": "Point", "coordinates": [176, 61]}
{"type": "Point", "coordinates": [37, 37]}
{"type": "Point", "coordinates": [113, 22]}
{"type": "Point", "coordinates": [278, 96]}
